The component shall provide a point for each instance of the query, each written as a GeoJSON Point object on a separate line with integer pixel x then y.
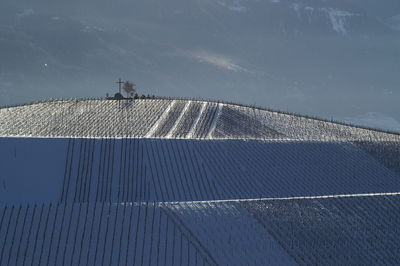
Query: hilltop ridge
{"type": "Point", "coordinates": [166, 118]}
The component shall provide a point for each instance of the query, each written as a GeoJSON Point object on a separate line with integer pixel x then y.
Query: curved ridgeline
{"type": "Point", "coordinates": [185, 119]}
{"type": "Point", "coordinates": [180, 182]}
{"type": "Point", "coordinates": [161, 118]}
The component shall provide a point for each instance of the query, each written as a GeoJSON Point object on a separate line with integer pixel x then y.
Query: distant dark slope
{"type": "Point", "coordinates": [334, 231]}
{"type": "Point", "coordinates": [311, 56]}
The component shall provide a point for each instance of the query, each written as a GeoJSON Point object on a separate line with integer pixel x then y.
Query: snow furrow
{"type": "Point", "coordinates": [214, 122]}
{"type": "Point", "coordinates": [171, 132]}
{"type": "Point", "coordinates": [159, 122]}
{"type": "Point", "coordinates": [196, 121]}
{"type": "Point", "coordinates": [359, 195]}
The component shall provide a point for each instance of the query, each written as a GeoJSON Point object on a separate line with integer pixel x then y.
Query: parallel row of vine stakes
{"type": "Point", "coordinates": [100, 234]}
{"type": "Point", "coordinates": [353, 220]}
{"type": "Point", "coordinates": [123, 170]}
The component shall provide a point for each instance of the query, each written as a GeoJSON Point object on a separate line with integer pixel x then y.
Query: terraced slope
{"type": "Point", "coordinates": [174, 182]}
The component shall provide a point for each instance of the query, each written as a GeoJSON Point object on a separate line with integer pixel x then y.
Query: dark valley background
{"type": "Point", "coordinates": [330, 58]}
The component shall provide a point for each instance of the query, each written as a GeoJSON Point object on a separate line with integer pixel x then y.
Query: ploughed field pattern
{"type": "Point", "coordinates": [186, 182]}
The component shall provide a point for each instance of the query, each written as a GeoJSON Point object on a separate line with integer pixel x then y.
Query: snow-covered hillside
{"type": "Point", "coordinates": [162, 118]}
{"type": "Point", "coordinates": [129, 170]}
{"type": "Point", "coordinates": [186, 182]}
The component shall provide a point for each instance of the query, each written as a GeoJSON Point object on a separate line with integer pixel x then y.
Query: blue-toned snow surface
{"type": "Point", "coordinates": [187, 182]}
{"type": "Point", "coordinates": [129, 170]}
{"type": "Point", "coordinates": [334, 231]}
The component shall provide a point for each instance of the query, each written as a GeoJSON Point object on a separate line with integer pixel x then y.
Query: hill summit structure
{"type": "Point", "coordinates": [189, 182]}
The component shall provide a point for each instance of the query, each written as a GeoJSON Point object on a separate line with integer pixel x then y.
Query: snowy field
{"type": "Point", "coordinates": [176, 182]}
{"type": "Point", "coordinates": [333, 231]}
{"type": "Point", "coordinates": [130, 170]}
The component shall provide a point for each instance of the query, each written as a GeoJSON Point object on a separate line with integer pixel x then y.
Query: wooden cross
{"type": "Point", "coordinates": [120, 82]}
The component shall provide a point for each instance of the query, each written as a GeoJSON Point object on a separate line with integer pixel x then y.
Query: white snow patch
{"type": "Point", "coordinates": [338, 19]}
{"type": "Point", "coordinates": [309, 11]}
{"type": "Point", "coordinates": [238, 8]}
{"type": "Point", "coordinates": [338, 196]}
{"type": "Point", "coordinates": [25, 12]}
{"type": "Point", "coordinates": [235, 5]}
{"type": "Point", "coordinates": [296, 8]}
